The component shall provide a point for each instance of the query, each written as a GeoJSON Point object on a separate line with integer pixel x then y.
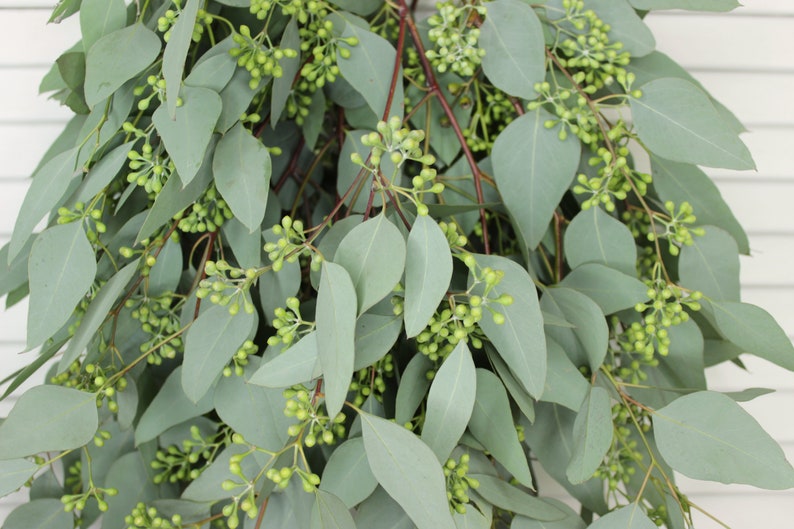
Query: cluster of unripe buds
{"type": "Point", "coordinates": [289, 324]}
{"type": "Point", "coordinates": [260, 60]}
{"type": "Point", "coordinates": [160, 320]}
{"type": "Point", "coordinates": [90, 215]}
{"type": "Point", "coordinates": [186, 463]}
{"type": "Point", "coordinates": [207, 214]}
{"type": "Point", "coordinates": [227, 286]}
{"type": "Point", "coordinates": [79, 501]}
{"type": "Point", "coordinates": [143, 517]}
{"type": "Point", "coordinates": [166, 22]}
{"type": "Point", "coordinates": [456, 41]}
{"type": "Point", "coordinates": [371, 381]}
{"type": "Point", "coordinates": [458, 483]}
{"type": "Point", "coordinates": [313, 426]}
{"type": "Point", "coordinates": [290, 245]}
{"type": "Point", "coordinates": [93, 378]}
{"type": "Point", "coordinates": [614, 181]}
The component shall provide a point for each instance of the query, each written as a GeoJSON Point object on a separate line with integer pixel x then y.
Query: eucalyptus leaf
{"type": "Point", "coordinates": [169, 407]}
{"type": "Point", "coordinates": [428, 270]}
{"type": "Point", "coordinates": [116, 58]}
{"type": "Point", "coordinates": [61, 269]}
{"type": "Point", "coordinates": [592, 431]}
{"type": "Point", "coordinates": [533, 168]}
{"type": "Point", "coordinates": [414, 382]}
{"type": "Point", "coordinates": [373, 253]}
{"type": "Point", "coordinates": [754, 330]}
{"type": "Point", "coordinates": [347, 474]}
{"type": "Point", "coordinates": [515, 55]}
{"type": "Point", "coordinates": [380, 511]}
{"type": "Point", "coordinates": [519, 340]}
{"type": "Point", "coordinates": [491, 424]}
{"type": "Point", "coordinates": [45, 513]}
{"type": "Point", "coordinates": [594, 236]}
{"type": "Point", "coordinates": [588, 340]}
{"type": "Point", "coordinates": [101, 174]}
{"type": "Point", "coordinates": [299, 363]}
{"type": "Point", "coordinates": [711, 265]}
{"type": "Point", "coordinates": [48, 418]}
{"type": "Point", "coordinates": [242, 169]}
{"type": "Point", "coordinates": [625, 25]}
{"type": "Point", "coordinates": [450, 402]}
{"type": "Point", "coordinates": [612, 290]}
{"type": "Point", "coordinates": [130, 475]}
{"type": "Point", "coordinates": [628, 517]}
{"type": "Point", "coordinates": [175, 53]}
{"type": "Point", "coordinates": [676, 120]}
{"type": "Point", "coordinates": [14, 473]}
{"type": "Point", "coordinates": [706, 435]}
{"type": "Point", "coordinates": [211, 341]}
{"type": "Point", "coordinates": [336, 327]}
{"type": "Point", "coordinates": [49, 184]}
{"type": "Point", "coordinates": [505, 496]}
{"type": "Point", "coordinates": [282, 86]}
{"type": "Point", "coordinates": [188, 135]}
{"type": "Point", "coordinates": [408, 470]}
{"type": "Point", "coordinates": [375, 337]}
{"type": "Point", "coordinates": [100, 17]}
{"type": "Point", "coordinates": [330, 512]}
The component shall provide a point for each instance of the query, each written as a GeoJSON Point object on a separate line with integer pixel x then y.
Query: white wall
{"type": "Point", "coordinates": [745, 58]}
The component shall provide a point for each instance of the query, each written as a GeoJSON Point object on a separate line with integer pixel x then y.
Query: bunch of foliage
{"type": "Point", "coordinates": [316, 263]}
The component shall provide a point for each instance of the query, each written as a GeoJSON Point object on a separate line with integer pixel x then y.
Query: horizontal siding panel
{"type": "Point", "coordinates": [20, 162]}
{"type": "Point", "coordinates": [770, 261]}
{"type": "Point", "coordinates": [28, 30]}
{"type": "Point", "coordinates": [761, 208]}
{"type": "Point", "coordinates": [757, 99]}
{"type": "Point", "coordinates": [20, 102]}
{"type": "Point", "coordinates": [13, 193]}
{"type": "Point", "coordinates": [759, 372]}
{"type": "Point", "coordinates": [771, 149]}
{"type": "Point", "coordinates": [12, 324]}
{"type": "Point", "coordinates": [725, 42]}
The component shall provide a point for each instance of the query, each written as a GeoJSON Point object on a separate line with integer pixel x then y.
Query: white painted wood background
{"type": "Point", "coordinates": [745, 58]}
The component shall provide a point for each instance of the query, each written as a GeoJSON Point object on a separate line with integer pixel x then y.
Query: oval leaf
{"type": "Point", "coordinates": [297, 364]}
{"type": "Point", "coordinates": [711, 265]}
{"type": "Point", "coordinates": [676, 120]}
{"type": "Point", "coordinates": [706, 435]}
{"type": "Point", "coordinates": [610, 289]}
{"type": "Point", "coordinates": [519, 340]}
{"type": "Point", "coordinates": [592, 431]}
{"type": "Point", "coordinates": [116, 58]}
{"type": "Point", "coordinates": [594, 236]}
{"type": "Point", "coordinates": [188, 135]}
{"type": "Point", "coordinates": [408, 470]}
{"type": "Point", "coordinates": [533, 169]}
{"type": "Point", "coordinates": [242, 171]}
{"type": "Point", "coordinates": [428, 270]}
{"type": "Point", "coordinates": [175, 53]}
{"type": "Point", "coordinates": [628, 517]}
{"type": "Point", "coordinates": [492, 424]}
{"type": "Point", "coordinates": [515, 55]}
{"type": "Point", "coordinates": [347, 474]}
{"type": "Point", "coordinates": [336, 328]}
{"type": "Point", "coordinates": [211, 342]}
{"type": "Point", "coordinates": [587, 341]}
{"type": "Point", "coordinates": [61, 269]}
{"type": "Point", "coordinates": [48, 419]}
{"type": "Point", "coordinates": [14, 473]}
{"type": "Point", "coordinates": [329, 512]}
{"type": "Point", "coordinates": [505, 496]}
{"type": "Point", "coordinates": [46, 513]}
{"type": "Point", "coordinates": [373, 253]}
{"type": "Point", "coordinates": [375, 336]}
{"type": "Point", "coordinates": [450, 402]}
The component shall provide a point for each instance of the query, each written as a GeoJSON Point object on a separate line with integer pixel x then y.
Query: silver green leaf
{"type": "Point", "coordinates": [505, 496]}
{"type": "Point", "coordinates": [14, 473]}
{"type": "Point", "coordinates": [97, 313]}
{"type": "Point", "coordinates": [706, 435]}
{"type": "Point", "coordinates": [373, 253]}
{"type": "Point", "coordinates": [211, 342]}
{"type": "Point", "coordinates": [48, 418]}
{"type": "Point", "coordinates": [572, 519]}
{"type": "Point", "coordinates": [175, 53]}
{"type": "Point", "coordinates": [676, 120]}
{"type": "Point", "coordinates": [282, 86]}
{"type": "Point", "coordinates": [413, 387]}
{"type": "Point", "coordinates": [533, 168]}
{"type": "Point", "coordinates": [592, 432]}
{"type": "Point", "coordinates": [408, 470]}
{"type": "Point", "coordinates": [594, 236]}
{"type": "Point", "coordinates": [428, 270]}
{"type": "Point", "coordinates": [188, 135]}
{"type": "Point", "coordinates": [625, 26]}
{"type": "Point", "coordinates": [242, 169]}
{"type": "Point", "coordinates": [587, 341]}
{"type": "Point", "coordinates": [329, 512]}
{"type": "Point", "coordinates": [711, 265]}
{"type": "Point", "coordinates": [515, 55]}
{"type": "Point", "coordinates": [336, 328]}
{"type": "Point", "coordinates": [565, 384]}
{"type": "Point", "coordinates": [130, 475]}
{"type": "Point", "coordinates": [628, 517]}
{"type": "Point", "coordinates": [45, 513]}
{"type": "Point", "coordinates": [380, 511]}
{"type": "Point", "coordinates": [347, 474]}
{"type": "Point", "coordinates": [116, 58]}
{"type": "Point", "coordinates": [754, 330]}
{"type": "Point", "coordinates": [492, 425]}
{"type": "Point", "coordinates": [375, 336]}
{"type": "Point", "coordinates": [101, 174]}
{"type": "Point", "coordinates": [299, 363]}
{"type": "Point", "coordinates": [519, 340]}
{"type": "Point", "coordinates": [450, 402]}
{"type": "Point", "coordinates": [100, 17]}
{"type": "Point", "coordinates": [170, 407]}
{"type": "Point", "coordinates": [49, 184]}
{"type": "Point", "coordinates": [611, 289]}
{"type": "Point", "coordinates": [61, 268]}
{"type": "Point", "coordinates": [370, 68]}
